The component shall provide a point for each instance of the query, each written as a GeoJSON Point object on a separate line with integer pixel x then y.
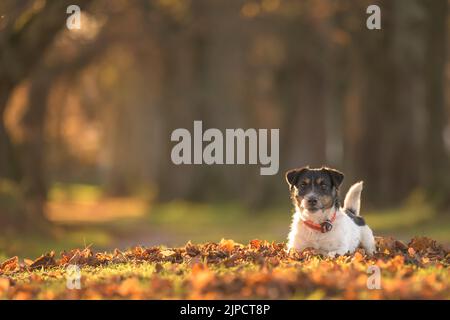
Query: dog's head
{"type": "Point", "coordinates": [314, 189]}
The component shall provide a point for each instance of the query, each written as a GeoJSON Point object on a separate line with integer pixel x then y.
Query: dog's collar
{"type": "Point", "coordinates": [324, 227]}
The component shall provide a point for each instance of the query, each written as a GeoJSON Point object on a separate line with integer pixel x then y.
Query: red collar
{"type": "Point", "coordinates": [324, 226]}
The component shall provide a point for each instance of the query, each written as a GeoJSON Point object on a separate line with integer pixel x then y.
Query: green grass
{"type": "Point", "coordinates": [415, 218]}
{"type": "Point", "coordinates": [29, 245]}
{"type": "Point", "coordinates": [211, 222]}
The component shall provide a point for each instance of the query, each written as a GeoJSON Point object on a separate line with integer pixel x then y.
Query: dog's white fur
{"type": "Point", "coordinates": [345, 236]}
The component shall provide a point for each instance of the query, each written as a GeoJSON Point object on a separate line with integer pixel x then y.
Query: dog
{"type": "Point", "coordinates": [319, 221]}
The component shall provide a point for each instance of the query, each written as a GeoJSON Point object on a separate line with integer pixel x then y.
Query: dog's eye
{"type": "Point", "coordinates": [303, 185]}
{"type": "Point", "coordinates": [324, 186]}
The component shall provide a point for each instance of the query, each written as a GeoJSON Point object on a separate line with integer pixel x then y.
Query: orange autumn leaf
{"type": "Point", "coordinates": [4, 284]}
{"type": "Point", "coordinates": [10, 265]}
{"type": "Point", "coordinates": [255, 244]}
{"type": "Point", "coordinates": [201, 276]}
{"type": "Point", "coordinates": [23, 295]}
{"type": "Point", "coordinates": [198, 267]}
{"type": "Point", "coordinates": [226, 245]}
{"type": "Point", "coordinates": [358, 257]}
{"type": "Point", "coordinates": [129, 287]}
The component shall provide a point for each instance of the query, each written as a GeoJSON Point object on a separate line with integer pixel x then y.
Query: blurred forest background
{"type": "Point", "coordinates": [87, 116]}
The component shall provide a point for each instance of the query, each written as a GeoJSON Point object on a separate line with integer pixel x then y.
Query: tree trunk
{"type": "Point", "coordinates": [20, 50]}
{"type": "Point", "coordinates": [8, 164]}
{"type": "Point", "coordinates": [437, 160]}
{"type": "Point", "coordinates": [31, 148]}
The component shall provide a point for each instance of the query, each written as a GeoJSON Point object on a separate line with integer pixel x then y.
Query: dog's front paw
{"type": "Point", "coordinates": [339, 252]}
{"type": "Point", "coordinates": [371, 251]}
{"type": "Point", "coordinates": [313, 251]}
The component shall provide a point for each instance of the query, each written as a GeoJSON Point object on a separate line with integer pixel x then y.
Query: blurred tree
{"type": "Point", "coordinates": [28, 33]}
{"type": "Point", "coordinates": [32, 147]}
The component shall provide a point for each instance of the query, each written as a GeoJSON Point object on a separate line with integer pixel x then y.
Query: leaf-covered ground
{"type": "Point", "coordinates": [257, 270]}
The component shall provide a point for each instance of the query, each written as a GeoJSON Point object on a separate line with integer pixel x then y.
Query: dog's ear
{"type": "Point", "coordinates": [336, 177]}
{"type": "Point", "coordinates": [293, 175]}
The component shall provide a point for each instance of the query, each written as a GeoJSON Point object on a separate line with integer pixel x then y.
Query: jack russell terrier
{"type": "Point", "coordinates": [319, 221]}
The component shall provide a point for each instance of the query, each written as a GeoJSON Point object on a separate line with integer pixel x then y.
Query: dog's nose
{"type": "Point", "coordinates": [312, 201]}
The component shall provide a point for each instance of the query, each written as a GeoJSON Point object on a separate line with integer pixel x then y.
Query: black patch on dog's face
{"type": "Point", "coordinates": [314, 189]}
{"type": "Point", "coordinates": [358, 220]}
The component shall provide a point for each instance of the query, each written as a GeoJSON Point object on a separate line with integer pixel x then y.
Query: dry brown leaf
{"type": "Point", "coordinates": [167, 253]}
{"type": "Point", "coordinates": [47, 260]}
{"type": "Point", "coordinates": [400, 245]}
{"type": "Point", "coordinates": [192, 250]}
{"type": "Point", "coordinates": [193, 261]}
{"type": "Point", "coordinates": [10, 265]}
{"type": "Point", "coordinates": [423, 243]}
{"type": "Point", "coordinates": [76, 258]}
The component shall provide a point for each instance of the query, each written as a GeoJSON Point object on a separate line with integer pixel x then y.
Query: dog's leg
{"type": "Point", "coordinates": [367, 240]}
{"type": "Point", "coordinates": [295, 244]}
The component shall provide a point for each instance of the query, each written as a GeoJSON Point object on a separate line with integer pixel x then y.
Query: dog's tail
{"type": "Point", "coordinates": [352, 200]}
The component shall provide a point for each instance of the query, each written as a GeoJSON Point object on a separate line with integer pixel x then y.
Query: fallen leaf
{"type": "Point", "coordinates": [167, 253]}
{"type": "Point", "coordinates": [358, 257]}
{"type": "Point", "coordinates": [192, 250]}
{"type": "Point", "coordinates": [28, 262]}
{"type": "Point", "coordinates": [4, 284]}
{"type": "Point", "coordinates": [226, 245]}
{"type": "Point", "coordinates": [411, 252]}
{"type": "Point", "coordinates": [255, 244]}
{"type": "Point", "coordinates": [10, 265]}
{"type": "Point", "coordinates": [46, 260]}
